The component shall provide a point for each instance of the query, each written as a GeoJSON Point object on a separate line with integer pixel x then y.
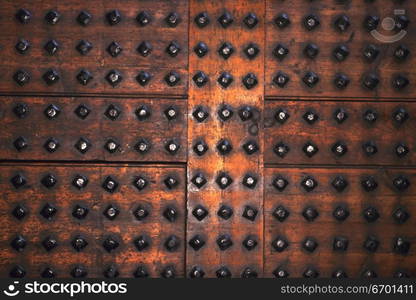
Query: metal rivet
{"type": "Point", "coordinates": [370, 148]}
{"type": "Point", "coordinates": [223, 272]}
{"type": "Point", "coordinates": [51, 47]}
{"type": "Point", "coordinates": [226, 50]}
{"type": "Point", "coordinates": [401, 22]}
{"type": "Point", "coordinates": [141, 213]}
{"type": "Point", "coordinates": [309, 244]}
{"type": "Point", "coordinates": [196, 272]}
{"type": "Point", "coordinates": [172, 78]}
{"type": "Point", "coordinates": [80, 212]}
{"type": "Point", "coordinates": [371, 244]}
{"type": "Point", "coordinates": [171, 113]}
{"type": "Point", "coordinates": [225, 79]}
{"type": "Point", "coordinates": [401, 149]}
{"type": "Point", "coordinates": [48, 211]}
{"type": "Point", "coordinates": [79, 272]}
{"type": "Point", "coordinates": [281, 79]}
{"type": "Point", "coordinates": [200, 212]}
{"type": "Point", "coordinates": [173, 19]}
{"type": "Point", "coordinates": [18, 181]}
{"type": "Point", "coordinates": [281, 213]}
{"type": "Point", "coordinates": [370, 81]}
{"type": "Point", "coordinates": [371, 214]}
{"type": "Point", "coordinates": [250, 147]}
{"type": "Point", "coordinates": [250, 81]}
{"type": "Point", "coordinates": [22, 46]}
{"type": "Point", "coordinates": [52, 111]}
{"type": "Point", "coordinates": [114, 77]}
{"type": "Point", "coordinates": [201, 49]}
{"type": "Point", "coordinates": [342, 23]}
{"type": "Point", "coordinates": [140, 182]}
{"type": "Point", "coordinates": [21, 77]}
{"type": "Point", "coordinates": [19, 212]}
{"type": "Point", "coordinates": [172, 147]}
{"type": "Point", "coordinates": [172, 243]}
{"type": "Point", "coordinates": [341, 81]}
{"type": "Point", "coordinates": [280, 244]}
{"type": "Point", "coordinates": [170, 213]}
{"type": "Point", "coordinates": [21, 110]}
{"type": "Point", "coordinates": [111, 272]}
{"type": "Point", "coordinates": [142, 242]}
{"type": "Point", "coordinates": [224, 242]}
{"type": "Point", "coordinates": [339, 274]}
{"type": "Point", "coordinates": [18, 243]}
{"type": "Point", "coordinates": [143, 78]}
{"type": "Point", "coordinates": [17, 272]}
{"type": "Point", "coordinates": [52, 17]}
{"type": "Point", "coordinates": [251, 50]}
{"type": "Point", "coordinates": [196, 242]}
{"type": "Point", "coordinates": [202, 20]}
{"type": "Point", "coordinates": [84, 18]}
{"type": "Point", "coordinates": [171, 182]}
{"type": "Point", "coordinates": [280, 273]}
{"type": "Point", "coordinates": [224, 147]}
{"type": "Point", "coordinates": [84, 47]}
{"type": "Point", "coordinates": [49, 181]}
{"type": "Point", "coordinates": [311, 50]}
{"type": "Point", "coordinates": [371, 52]}
{"type": "Point", "coordinates": [250, 181]}
{"type": "Point", "coordinates": [23, 15]}
{"type": "Point", "coordinates": [114, 49]}
{"type": "Point", "coordinates": [200, 114]}
{"type": "Point", "coordinates": [401, 245]}
{"type": "Point", "coordinates": [199, 180]}
{"type": "Point", "coordinates": [168, 272]}
{"type": "Point", "coordinates": [341, 52]}
{"type": "Point", "coordinates": [200, 147]}
{"type": "Point", "coordinates": [341, 213]}
{"type": "Point", "coordinates": [369, 183]}
{"type": "Point", "coordinates": [173, 49]}
{"type": "Point", "coordinates": [400, 115]}
{"type": "Point", "coordinates": [113, 17]}
{"type": "Point", "coordinates": [110, 184]}
{"type": "Point", "coordinates": [250, 20]}
{"type": "Point", "coordinates": [48, 273]}
{"type": "Point", "coordinates": [250, 242]}
{"type": "Point", "coordinates": [310, 79]}
{"type": "Point", "coordinates": [401, 52]}
{"type": "Point", "coordinates": [311, 22]}
{"type": "Point", "coordinates": [141, 272]}
{"type": "Point", "coordinates": [80, 181]}
{"type": "Point", "coordinates": [371, 22]}
{"type": "Point", "coordinates": [281, 149]}
{"type": "Point", "coordinates": [282, 20]}
{"type": "Point", "coordinates": [84, 77]}
{"type": "Point", "coordinates": [110, 244]}
{"type": "Point", "coordinates": [225, 212]}
{"type": "Point", "coordinates": [20, 143]}
{"type": "Point", "coordinates": [225, 20]}
{"type": "Point", "coordinates": [310, 149]}
{"type": "Point", "coordinates": [401, 183]}
{"type": "Point", "coordinates": [112, 112]}
{"type": "Point", "coordinates": [310, 117]}
{"type": "Point", "coordinates": [51, 77]}
{"type": "Point", "coordinates": [400, 215]}
{"type": "Point", "coordinates": [310, 273]}
{"type": "Point", "coordinates": [200, 79]}
{"type": "Point", "coordinates": [111, 146]}
{"type": "Point", "coordinates": [339, 148]}
{"type": "Point", "coordinates": [340, 243]}
{"type": "Point", "coordinates": [340, 115]}
{"type": "Point", "coordinates": [280, 51]}
{"type": "Point", "coordinates": [224, 180]}
{"type": "Point", "coordinates": [400, 82]}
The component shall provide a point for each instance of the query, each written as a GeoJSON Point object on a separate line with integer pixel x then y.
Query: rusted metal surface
{"type": "Point", "coordinates": [93, 129]}
{"type": "Point", "coordinates": [284, 220]}
{"type": "Point", "coordinates": [39, 213]}
{"type": "Point", "coordinates": [339, 133]}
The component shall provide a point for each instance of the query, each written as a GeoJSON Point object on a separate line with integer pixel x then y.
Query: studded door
{"type": "Point", "coordinates": [197, 138]}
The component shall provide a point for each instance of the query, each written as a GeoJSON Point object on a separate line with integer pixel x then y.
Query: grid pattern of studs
{"type": "Point", "coordinates": [339, 223]}
{"type": "Point", "coordinates": [329, 133]}
{"type": "Point", "coordinates": [94, 47]}
{"type": "Point", "coordinates": [225, 223]}
{"type": "Point", "coordinates": [95, 221]}
{"type": "Point", "coordinates": [327, 49]}
{"type": "Point", "coordinates": [91, 129]}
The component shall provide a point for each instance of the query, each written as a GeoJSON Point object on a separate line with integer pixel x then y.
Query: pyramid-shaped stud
{"type": "Point", "coordinates": [84, 47]}
{"type": "Point", "coordinates": [250, 81]}
{"type": "Point", "coordinates": [310, 213]}
{"type": "Point", "coordinates": [341, 52]}
{"type": "Point", "coordinates": [82, 111]}
{"type": "Point", "coordinates": [224, 147]}
{"type": "Point", "coordinates": [369, 183]}
{"type": "Point", "coordinates": [281, 149]}
{"type": "Point", "coordinates": [141, 272]}
{"type": "Point", "coordinates": [200, 79]}
{"type": "Point", "coordinates": [339, 148]}
{"type": "Point", "coordinates": [311, 79]}
{"type": "Point", "coordinates": [18, 181]}
{"type": "Point", "coordinates": [168, 272]}
{"type": "Point", "coordinates": [281, 213]}
{"type": "Point", "coordinates": [200, 113]}
{"type": "Point", "coordinates": [251, 51]}
{"type": "Point", "coordinates": [310, 117]}
{"type": "Point", "coordinates": [282, 20]}
{"type": "Point", "coordinates": [310, 244]}
{"type": "Point", "coordinates": [309, 183]}
{"type": "Point", "coordinates": [201, 49]}
{"type": "Point", "coordinates": [143, 78]}
{"type": "Point", "coordinates": [111, 212]}
{"type": "Point", "coordinates": [171, 182]}
{"type": "Point", "coordinates": [281, 79]}
{"type": "Point", "coordinates": [112, 112]}
{"type": "Point", "coordinates": [250, 147]}
{"type": "Point", "coordinates": [172, 243]}
{"type": "Point", "coordinates": [342, 23]}
{"type": "Point", "coordinates": [251, 20]}
{"type": "Point", "coordinates": [200, 212]}
{"type": "Point", "coordinates": [49, 181]}
{"type": "Point", "coordinates": [311, 22]}
{"type": "Point", "coordinates": [113, 17]}
{"type": "Point", "coordinates": [22, 46]}
{"type": "Point", "coordinates": [114, 49]}
{"type": "Point", "coordinates": [400, 82]}
{"type": "Point", "coordinates": [225, 212]}
{"type": "Point", "coordinates": [84, 77]}
{"type": "Point", "coordinates": [173, 19]}
{"type": "Point", "coordinates": [199, 180]}
{"type": "Point", "coordinates": [79, 272]}
{"type": "Point", "coordinates": [141, 213]}
{"type": "Point", "coordinates": [172, 147]}
{"type": "Point", "coordinates": [280, 244]}
{"type": "Point", "coordinates": [371, 214]}
{"type": "Point", "coordinates": [48, 211]}
{"type": "Point", "coordinates": [52, 111]}
{"type": "Point", "coordinates": [51, 47]}
{"type": "Point", "coordinates": [21, 77]}
{"type": "Point", "coordinates": [145, 48]}
{"type": "Point", "coordinates": [310, 149]}
{"type": "Point", "coordinates": [223, 272]}
{"type": "Point", "coordinates": [400, 115]}
{"type": "Point", "coordinates": [140, 182]}
{"type": "Point", "coordinates": [401, 183]}
{"type": "Point", "coordinates": [79, 243]}
{"type": "Point", "coordinates": [371, 52]}
{"type": "Point", "coordinates": [250, 213]}
{"type": "Point", "coordinates": [49, 243]}
{"type": "Point", "coordinates": [51, 77]}
{"type": "Point", "coordinates": [311, 51]}
{"type": "Point", "coordinates": [84, 18]}
{"type": "Point", "coordinates": [110, 244]}
{"type": "Point", "coordinates": [19, 212]}
{"type": "Point", "coordinates": [20, 143]}
{"type": "Point", "coordinates": [340, 243]}
{"type": "Point", "coordinates": [112, 146]}
{"type": "Point", "coordinates": [226, 19]}
{"type": "Point", "coordinates": [111, 272]}
{"type": "Point", "coordinates": [23, 16]}
{"type": "Point", "coordinates": [370, 81]}
{"type": "Point", "coordinates": [226, 50]}
{"type": "Point", "coordinates": [370, 148]}
{"type": "Point", "coordinates": [202, 19]}
{"type": "Point", "coordinates": [339, 183]}
{"type": "Point", "coordinates": [225, 79]}
{"type": "Point", "coordinates": [196, 272]}
{"type": "Point", "coordinates": [223, 180]}
{"type": "Point", "coordinates": [280, 183]}
{"type": "Point", "coordinates": [80, 181]}
{"type": "Point", "coordinates": [341, 81]}
{"type": "Point", "coordinates": [170, 213]}
{"type": "Point", "coordinates": [173, 49]}
{"type": "Point", "coordinates": [341, 213]}
{"type": "Point", "coordinates": [196, 242]}
{"type": "Point", "coordinates": [48, 273]}
{"type": "Point", "coordinates": [110, 184]}
{"type": "Point", "coordinates": [224, 242]}
{"type": "Point", "coordinates": [52, 17]}
{"type": "Point", "coordinates": [250, 181]}
{"type": "Point", "coordinates": [143, 18]}
{"type": "Point", "coordinates": [18, 243]}
{"type": "Point", "coordinates": [114, 77]}
{"type": "Point", "coordinates": [172, 78]}
{"type": "Point", "coordinates": [80, 212]}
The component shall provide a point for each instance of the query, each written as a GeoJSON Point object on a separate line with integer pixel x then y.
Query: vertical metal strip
{"type": "Point", "coordinates": [225, 139]}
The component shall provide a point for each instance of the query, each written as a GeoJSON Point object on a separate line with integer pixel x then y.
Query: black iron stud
{"type": "Point", "coordinates": [311, 22]}
{"type": "Point", "coordinates": [339, 148]}
{"type": "Point", "coordinates": [311, 50]}
{"type": "Point", "coordinates": [224, 180]}
{"type": "Point", "coordinates": [250, 20]}
{"type": "Point", "coordinates": [143, 18]}
{"type": "Point", "coordinates": [141, 213]}
{"type": "Point", "coordinates": [340, 243]}
{"type": "Point", "coordinates": [225, 79]}
{"type": "Point", "coordinates": [310, 213]}
{"type": "Point", "coordinates": [173, 49]}
{"type": "Point", "coordinates": [310, 149]}
{"type": "Point", "coordinates": [250, 81]}
{"type": "Point", "coordinates": [223, 272]}
{"type": "Point", "coordinates": [17, 272]}
{"type": "Point", "coordinates": [168, 272]}
{"type": "Point", "coordinates": [22, 46]}
{"type": "Point", "coordinates": [80, 212]}
{"type": "Point", "coordinates": [342, 23]}
{"type": "Point", "coordinates": [51, 77]}
{"type": "Point", "coordinates": [141, 272]}
{"type": "Point", "coordinates": [250, 242]}
{"type": "Point", "coordinates": [80, 182]}
{"type": "Point", "coordinates": [145, 48]}
{"type": "Point", "coordinates": [110, 244]}
{"type": "Point", "coordinates": [341, 213]}
{"type": "Point", "coordinates": [112, 112]}
{"type": "Point", "coordinates": [142, 242]}
{"type": "Point", "coordinates": [52, 111]}
{"type": "Point", "coordinates": [111, 272]}
{"type": "Point", "coordinates": [113, 17]}
{"type": "Point", "coordinates": [143, 78]}
{"type": "Point", "coordinates": [250, 147]}
{"type": "Point", "coordinates": [49, 181]}
{"type": "Point", "coordinates": [200, 79]}
{"type": "Point", "coordinates": [311, 79]}
{"type": "Point", "coordinates": [170, 214]}
{"type": "Point", "coordinates": [200, 113]}
{"type": "Point", "coordinates": [84, 77]}
{"type": "Point", "coordinates": [21, 77]}
{"type": "Point", "coordinates": [199, 180]}
{"type": "Point", "coordinates": [196, 242]}
{"type": "Point", "coordinates": [225, 212]}
{"type": "Point", "coordinates": [23, 16]}
{"type": "Point", "coordinates": [341, 52]}
{"type": "Point", "coordinates": [18, 243]}
{"type": "Point", "coordinates": [51, 47]}
{"type": "Point", "coordinates": [20, 143]}
{"type": "Point", "coordinates": [110, 184]}
{"type": "Point", "coordinates": [280, 244]}
{"type": "Point", "coordinates": [171, 182]}
{"type": "Point", "coordinates": [280, 51]}
{"type": "Point", "coordinates": [173, 19]}
{"type": "Point", "coordinates": [114, 77]}
{"type": "Point", "coordinates": [19, 212]}
{"type": "Point", "coordinates": [371, 22]}
{"type": "Point", "coordinates": [371, 52]}
{"type": "Point", "coordinates": [250, 213]}
{"type": "Point", "coordinates": [79, 272]}
{"type": "Point", "coordinates": [18, 181]}
{"type": "Point", "coordinates": [111, 146]}
{"type": "Point", "coordinates": [52, 17]}
{"type": "Point", "coordinates": [282, 20]}
{"type": "Point", "coordinates": [224, 242]}
{"type": "Point", "coordinates": [309, 244]}
{"type": "Point", "coordinates": [226, 50]}
{"type": "Point", "coordinates": [202, 19]}
{"type": "Point", "coordinates": [371, 214]}
{"type": "Point", "coordinates": [371, 244]}
{"type": "Point", "coordinates": [84, 18]}
{"type": "Point", "coordinates": [48, 211]}
{"type": "Point", "coordinates": [172, 78]}
{"type": "Point", "coordinates": [400, 215]}
{"type": "Point", "coordinates": [201, 49]}
{"type": "Point", "coordinates": [140, 182]}
{"type": "Point", "coordinates": [281, 213]}
{"type": "Point", "coordinates": [84, 47]}
{"type": "Point", "coordinates": [225, 20]}
{"type": "Point", "coordinates": [114, 49]}
{"type": "Point", "coordinates": [281, 79]}
{"type": "Point", "coordinates": [172, 243]}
